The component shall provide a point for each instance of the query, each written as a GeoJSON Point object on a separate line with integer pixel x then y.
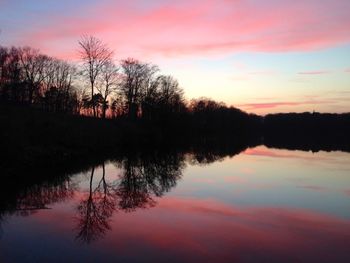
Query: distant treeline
{"type": "Point", "coordinates": [307, 131]}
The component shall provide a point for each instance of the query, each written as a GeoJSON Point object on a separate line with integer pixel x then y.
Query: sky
{"type": "Point", "coordinates": [260, 56]}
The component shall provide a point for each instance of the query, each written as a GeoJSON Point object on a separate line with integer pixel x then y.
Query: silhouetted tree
{"type": "Point", "coordinates": [116, 106]}
{"type": "Point", "coordinates": [33, 64]}
{"type": "Point", "coordinates": [94, 55]}
{"type": "Point", "coordinates": [59, 93]}
{"type": "Point", "coordinates": [109, 81]}
{"type": "Point", "coordinates": [171, 96]}
{"type": "Point", "coordinates": [137, 79]}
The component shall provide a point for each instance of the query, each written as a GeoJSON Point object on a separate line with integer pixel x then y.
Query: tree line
{"type": "Point", "coordinates": [133, 90]}
{"type": "Point", "coordinates": [30, 77]}
{"type": "Point", "coordinates": [97, 86]}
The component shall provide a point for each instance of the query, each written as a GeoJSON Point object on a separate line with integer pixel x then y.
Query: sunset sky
{"type": "Point", "coordinates": [260, 56]}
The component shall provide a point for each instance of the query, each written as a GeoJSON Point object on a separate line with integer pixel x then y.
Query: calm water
{"type": "Point", "coordinates": [261, 205]}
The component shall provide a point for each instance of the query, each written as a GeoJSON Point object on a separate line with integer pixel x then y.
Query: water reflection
{"type": "Point", "coordinates": [25, 200]}
{"type": "Point", "coordinates": [95, 210]}
{"type": "Point", "coordinates": [219, 210]}
{"type": "Point", "coordinates": [140, 178]}
{"type": "Point", "coordinates": [146, 176]}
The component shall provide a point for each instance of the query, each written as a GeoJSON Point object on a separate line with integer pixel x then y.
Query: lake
{"type": "Point", "coordinates": [260, 205]}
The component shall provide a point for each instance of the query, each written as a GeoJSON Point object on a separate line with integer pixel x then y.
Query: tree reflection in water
{"type": "Point", "coordinates": [24, 200]}
{"type": "Point", "coordinates": [141, 179]}
{"type": "Point", "coordinates": [40, 196]}
{"type": "Point", "coordinates": [95, 211]}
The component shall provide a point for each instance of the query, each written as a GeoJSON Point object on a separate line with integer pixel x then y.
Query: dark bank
{"type": "Point", "coordinates": [32, 138]}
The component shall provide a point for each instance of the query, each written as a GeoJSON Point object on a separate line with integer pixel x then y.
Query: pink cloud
{"type": "Point", "coordinates": [316, 72]}
{"type": "Point", "coordinates": [197, 27]}
{"type": "Point", "coordinates": [301, 103]}
{"type": "Point", "coordinates": [268, 105]}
